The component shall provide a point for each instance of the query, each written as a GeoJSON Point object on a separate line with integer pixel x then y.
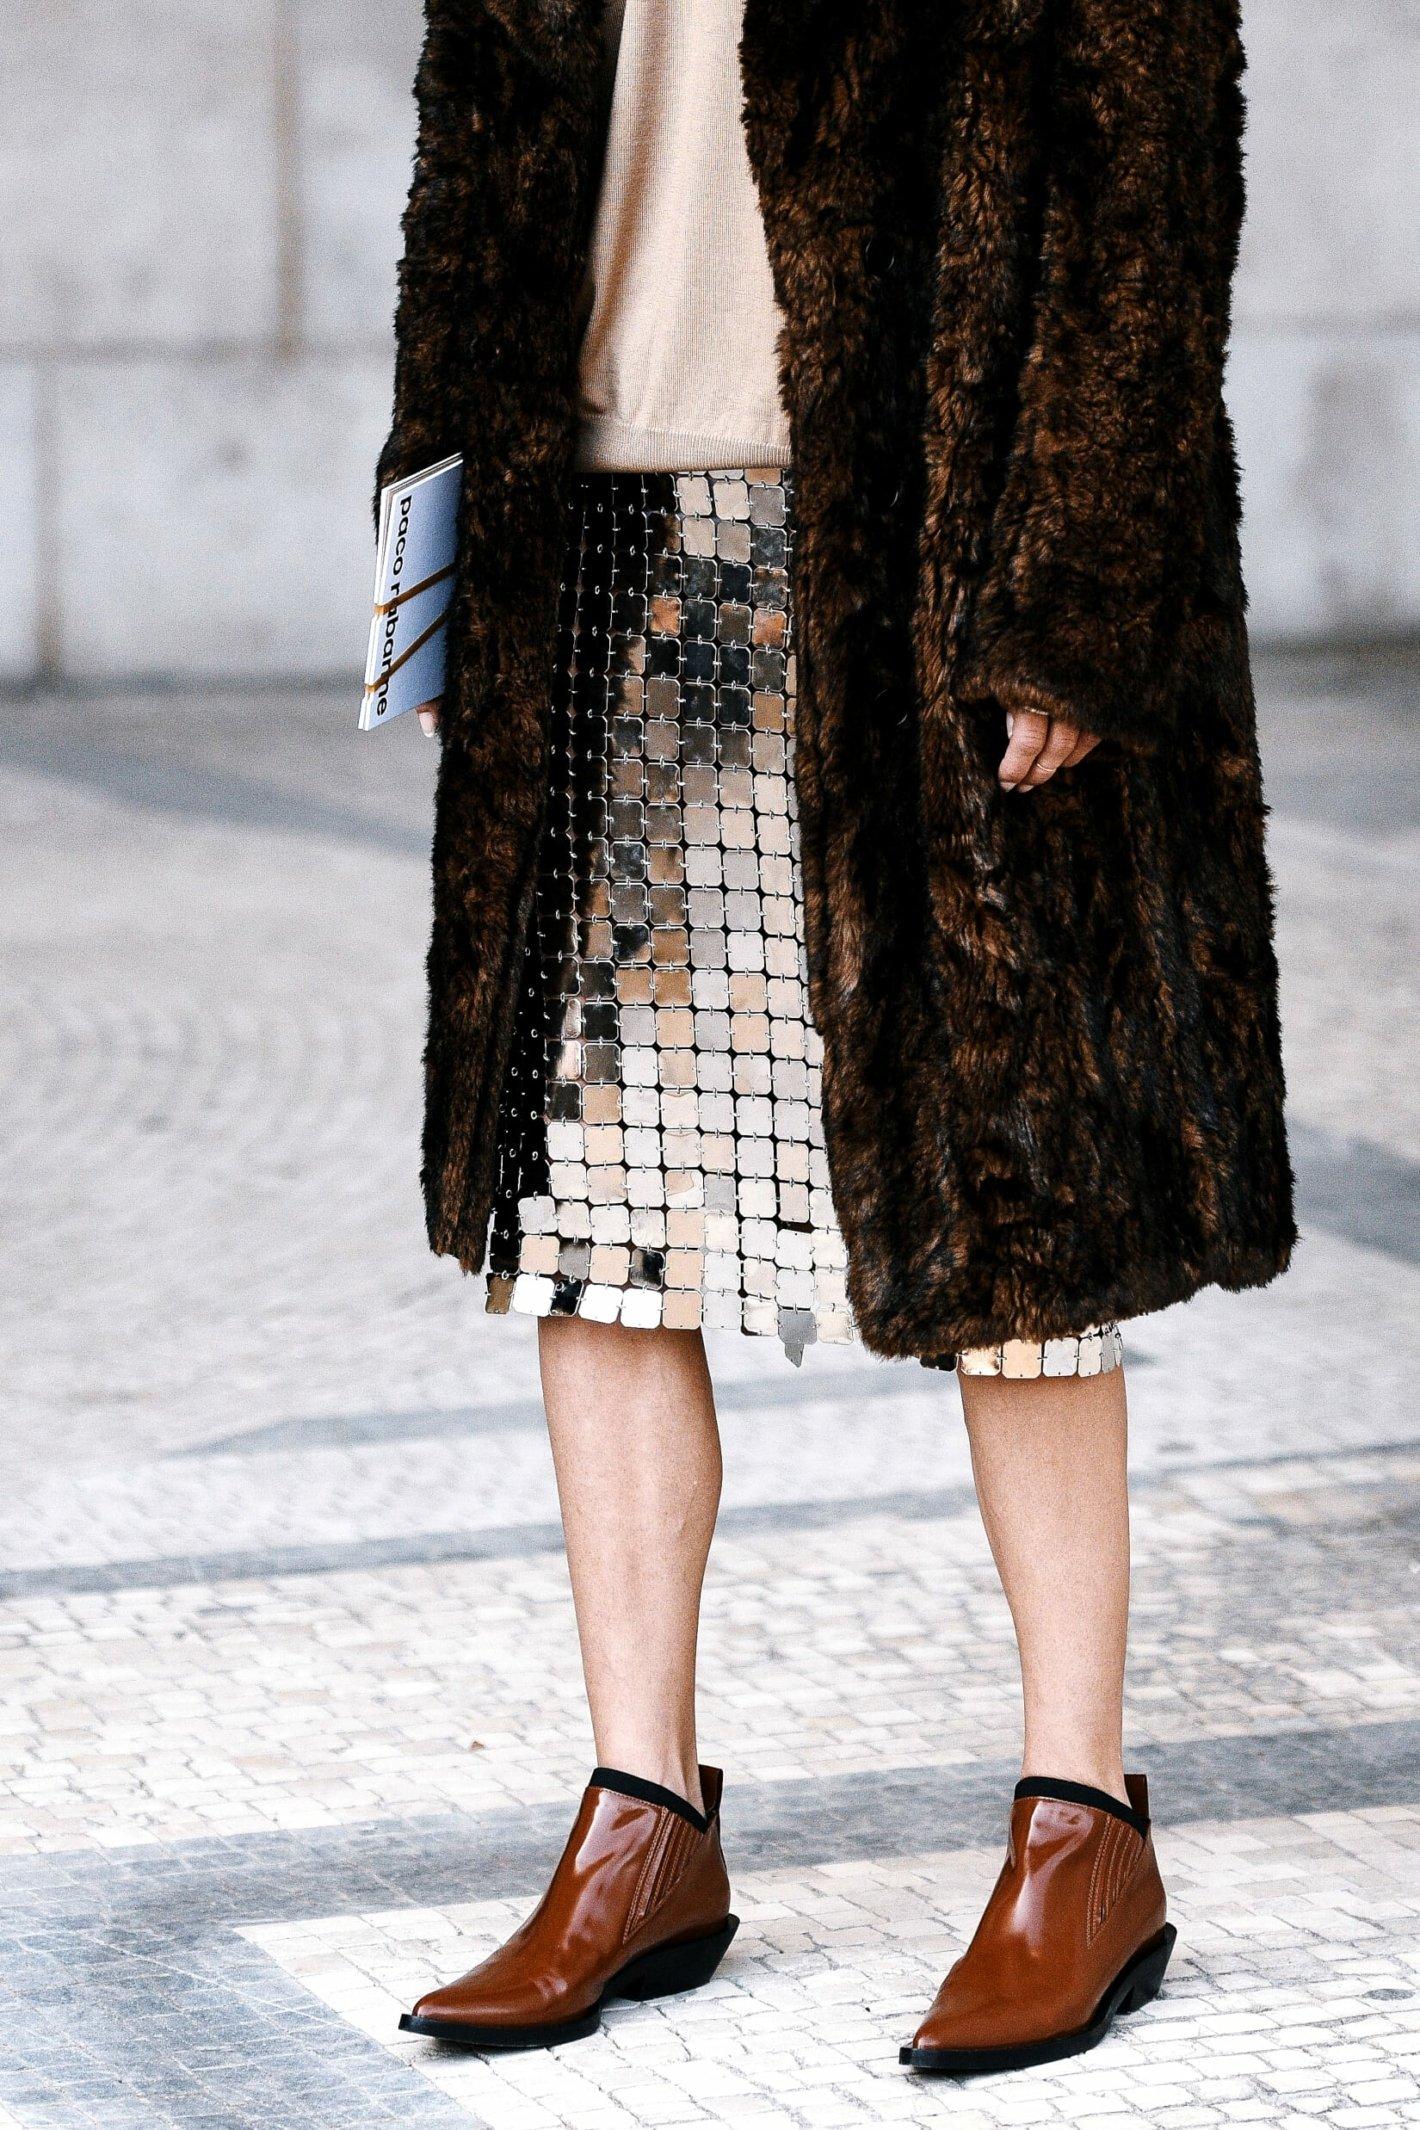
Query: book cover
{"type": "Point", "coordinates": [415, 555]}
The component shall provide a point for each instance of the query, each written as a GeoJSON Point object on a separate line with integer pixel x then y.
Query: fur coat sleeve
{"type": "Point", "coordinates": [486, 327]}
{"type": "Point", "coordinates": [431, 276]}
{"type": "Point", "coordinates": [1098, 552]}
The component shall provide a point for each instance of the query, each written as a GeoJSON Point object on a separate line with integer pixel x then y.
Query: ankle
{"type": "Point", "coordinates": [666, 1766]}
{"type": "Point", "coordinates": [1096, 1770]}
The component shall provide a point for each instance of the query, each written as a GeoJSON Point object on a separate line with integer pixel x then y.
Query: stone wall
{"type": "Point", "coordinates": [201, 203]}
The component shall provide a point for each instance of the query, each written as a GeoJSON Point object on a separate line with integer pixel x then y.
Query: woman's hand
{"type": "Point", "coordinates": [1038, 746]}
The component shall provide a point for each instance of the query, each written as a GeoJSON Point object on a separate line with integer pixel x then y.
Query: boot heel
{"type": "Point", "coordinates": [669, 1969]}
{"type": "Point", "coordinates": [1145, 1982]}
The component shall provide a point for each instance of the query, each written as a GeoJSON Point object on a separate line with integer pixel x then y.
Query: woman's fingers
{"type": "Point", "coordinates": [1085, 744]}
{"type": "Point", "coordinates": [1059, 746]}
{"type": "Point", "coordinates": [428, 714]}
{"type": "Point", "coordinates": [1039, 746]}
{"type": "Point", "coordinates": [1027, 731]}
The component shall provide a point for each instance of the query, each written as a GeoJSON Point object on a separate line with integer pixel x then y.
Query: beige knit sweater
{"type": "Point", "coordinates": [678, 363]}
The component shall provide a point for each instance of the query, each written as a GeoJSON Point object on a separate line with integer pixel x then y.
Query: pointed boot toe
{"type": "Point", "coordinates": [1075, 1934]}
{"type": "Point", "coordinates": [638, 1907]}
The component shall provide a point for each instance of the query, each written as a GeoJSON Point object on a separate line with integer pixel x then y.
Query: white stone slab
{"type": "Point", "coordinates": [1329, 437]}
{"type": "Point", "coordinates": [19, 526]}
{"type": "Point", "coordinates": [1333, 178]}
{"type": "Point", "coordinates": [139, 147]}
{"type": "Point", "coordinates": [834, 1964]}
{"type": "Point", "coordinates": [215, 518]}
{"type": "Point", "coordinates": [356, 61]}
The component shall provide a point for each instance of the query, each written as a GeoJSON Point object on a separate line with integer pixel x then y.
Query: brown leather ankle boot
{"type": "Point", "coordinates": [1073, 1933]}
{"type": "Point", "coordinates": [638, 1907]}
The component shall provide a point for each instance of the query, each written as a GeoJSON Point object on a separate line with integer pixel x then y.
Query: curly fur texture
{"type": "Point", "coordinates": [1003, 235]}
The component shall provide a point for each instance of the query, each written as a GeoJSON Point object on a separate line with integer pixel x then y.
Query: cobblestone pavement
{"type": "Point", "coordinates": [255, 1440]}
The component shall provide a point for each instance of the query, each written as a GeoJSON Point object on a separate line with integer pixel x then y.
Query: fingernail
{"type": "Point", "coordinates": [1005, 786]}
{"type": "Point", "coordinates": [426, 724]}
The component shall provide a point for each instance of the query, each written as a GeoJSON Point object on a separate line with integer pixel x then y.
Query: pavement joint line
{"type": "Point", "coordinates": [429, 1424]}
{"type": "Point", "coordinates": [890, 1380]}
{"type": "Point", "coordinates": [1352, 1188]}
{"type": "Point", "coordinates": [523, 1540]}
{"type": "Point", "coordinates": [433, 1858]}
{"type": "Point", "coordinates": [187, 791]}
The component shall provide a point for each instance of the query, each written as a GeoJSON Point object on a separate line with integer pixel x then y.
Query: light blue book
{"type": "Point", "coordinates": [415, 555]}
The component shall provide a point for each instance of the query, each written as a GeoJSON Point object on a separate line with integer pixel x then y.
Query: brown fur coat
{"type": "Point", "coordinates": [1003, 233]}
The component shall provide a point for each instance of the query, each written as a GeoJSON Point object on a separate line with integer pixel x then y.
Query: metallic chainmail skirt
{"type": "Point", "coordinates": [660, 1144]}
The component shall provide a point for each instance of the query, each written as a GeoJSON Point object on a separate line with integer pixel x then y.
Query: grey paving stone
{"type": "Point", "coordinates": [157, 1900]}
{"type": "Point", "coordinates": [169, 785]}
{"type": "Point", "coordinates": [345, 1429]}
{"type": "Point", "coordinates": [1337, 734]}
{"type": "Point", "coordinates": [1352, 1188]}
{"type": "Point", "coordinates": [509, 1541]}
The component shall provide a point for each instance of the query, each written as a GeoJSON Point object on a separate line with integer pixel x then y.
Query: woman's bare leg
{"type": "Point", "coordinates": [637, 1451]}
{"type": "Point", "coordinates": [1050, 1463]}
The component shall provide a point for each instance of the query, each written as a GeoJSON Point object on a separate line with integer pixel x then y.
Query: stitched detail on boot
{"type": "Point", "coordinates": [1116, 1862]}
{"type": "Point", "coordinates": [1125, 1865]}
{"type": "Point", "coordinates": [1100, 1876]}
{"type": "Point", "coordinates": [637, 1912]}
{"type": "Point", "coordinates": [673, 1860]}
{"type": "Point", "coordinates": [686, 1847]}
{"type": "Point", "coordinates": [1095, 1905]}
{"type": "Point", "coordinates": [1136, 1859]}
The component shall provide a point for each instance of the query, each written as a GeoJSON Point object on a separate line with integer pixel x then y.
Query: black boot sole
{"type": "Point", "coordinates": [1136, 1984]}
{"type": "Point", "coordinates": [665, 1971]}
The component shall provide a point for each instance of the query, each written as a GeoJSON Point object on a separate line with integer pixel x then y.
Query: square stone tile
{"type": "Point", "coordinates": [19, 522]}
{"type": "Point", "coordinates": [1328, 429]}
{"type": "Point", "coordinates": [216, 519]}
{"type": "Point", "coordinates": [355, 74]}
{"type": "Point", "coordinates": [141, 144]}
{"type": "Point", "coordinates": [1330, 176]}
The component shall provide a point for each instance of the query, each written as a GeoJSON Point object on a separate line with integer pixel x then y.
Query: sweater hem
{"type": "Point", "coordinates": [605, 445]}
